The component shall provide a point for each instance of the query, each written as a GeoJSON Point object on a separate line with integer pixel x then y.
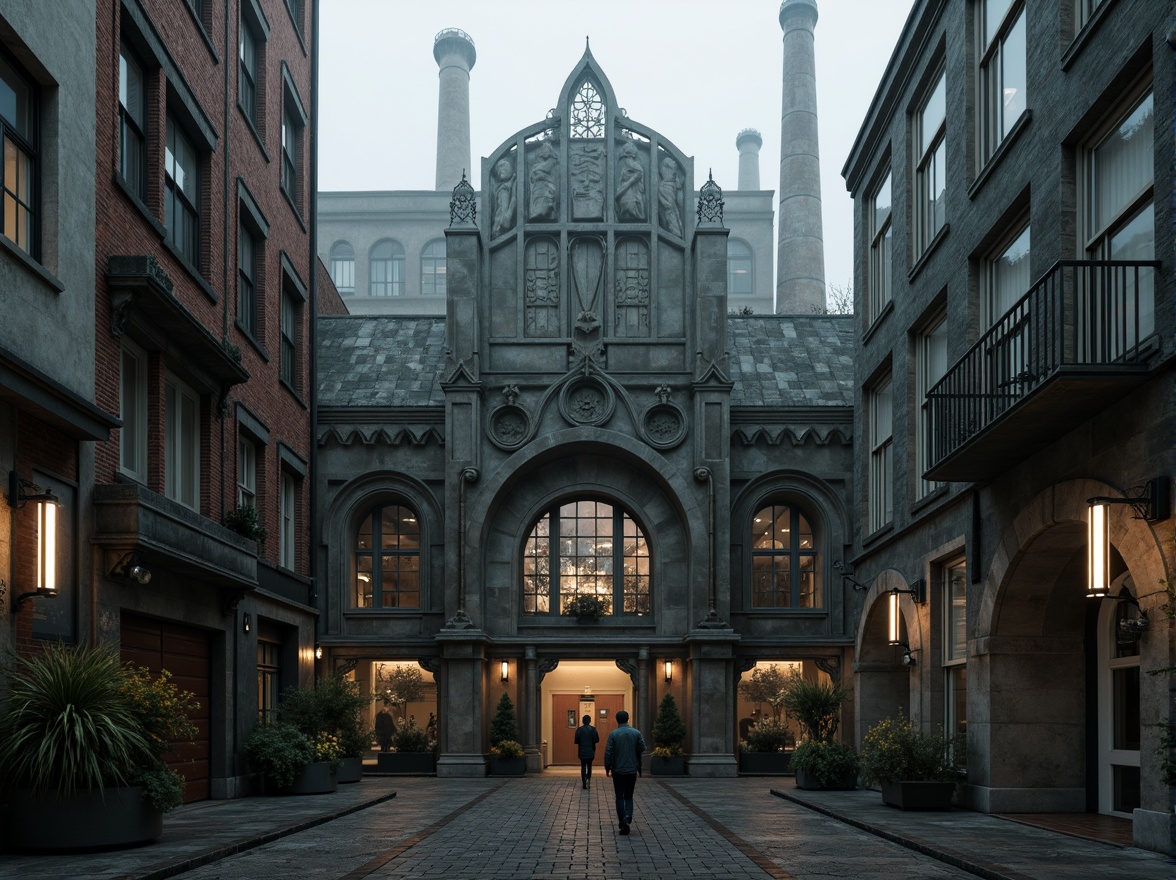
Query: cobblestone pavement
{"type": "Point", "coordinates": [548, 827]}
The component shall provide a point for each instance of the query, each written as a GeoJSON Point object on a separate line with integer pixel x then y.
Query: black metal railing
{"type": "Point", "coordinates": [1080, 313]}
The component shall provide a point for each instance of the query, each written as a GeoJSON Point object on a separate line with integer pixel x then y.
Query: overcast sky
{"type": "Point", "coordinates": [698, 71]}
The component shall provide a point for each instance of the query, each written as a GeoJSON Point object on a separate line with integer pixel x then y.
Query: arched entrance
{"type": "Point", "coordinates": [884, 685]}
{"type": "Point", "coordinates": [576, 688]}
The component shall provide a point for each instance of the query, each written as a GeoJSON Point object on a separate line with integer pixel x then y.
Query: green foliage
{"type": "Point", "coordinates": [69, 726]}
{"type": "Point", "coordinates": [816, 705]}
{"type": "Point", "coordinates": [508, 748]}
{"type": "Point", "coordinates": [585, 607]}
{"type": "Point", "coordinates": [768, 735]}
{"type": "Point", "coordinates": [894, 751]}
{"type": "Point", "coordinates": [410, 738]}
{"type": "Point", "coordinates": [767, 684]}
{"type": "Point", "coordinates": [400, 686]}
{"type": "Point", "coordinates": [279, 751]}
{"type": "Point", "coordinates": [246, 522]}
{"type": "Point", "coordinates": [668, 728]}
{"type": "Point", "coordinates": [1166, 752]}
{"type": "Point", "coordinates": [829, 761]}
{"type": "Point", "coordinates": [504, 727]}
{"type": "Point", "coordinates": [162, 789]}
{"type": "Point", "coordinates": [335, 707]}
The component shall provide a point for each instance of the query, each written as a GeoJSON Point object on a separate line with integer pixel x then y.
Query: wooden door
{"type": "Point", "coordinates": [607, 707]}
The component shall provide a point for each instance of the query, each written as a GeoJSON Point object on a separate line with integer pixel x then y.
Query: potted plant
{"type": "Point", "coordinates": [820, 762]}
{"type": "Point", "coordinates": [413, 751]}
{"type": "Point", "coordinates": [82, 745]}
{"type": "Point", "coordinates": [764, 752]}
{"type": "Point", "coordinates": [506, 752]}
{"type": "Point", "coordinates": [668, 733]}
{"type": "Point", "coordinates": [246, 522]}
{"type": "Point", "coordinates": [282, 753]}
{"type": "Point", "coordinates": [585, 608]}
{"type": "Point", "coordinates": [340, 708]}
{"type": "Point", "coordinates": [914, 769]}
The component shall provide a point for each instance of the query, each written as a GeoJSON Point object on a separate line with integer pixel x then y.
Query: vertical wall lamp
{"type": "Point", "coordinates": [1152, 502]}
{"type": "Point", "coordinates": [318, 652]}
{"type": "Point", "coordinates": [669, 670]}
{"type": "Point", "coordinates": [247, 623]}
{"type": "Point", "coordinates": [20, 493]}
{"type": "Point", "coordinates": [918, 591]}
{"type": "Point", "coordinates": [506, 670]}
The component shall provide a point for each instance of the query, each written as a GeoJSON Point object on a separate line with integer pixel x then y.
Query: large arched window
{"type": "Point", "coordinates": [582, 548]}
{"type": "Point", "coordinates": [343, 267]}
{"type": "Point", "coordinates": [386, 272]}
{"type": "Point", "coordinates": [387, 551]}
{"type": "Point", "coordinates": [785, 565]}
{"type": "Point", "coordinates": [433, 268]}
{"type": "Point", "coordinates": [739, 278]}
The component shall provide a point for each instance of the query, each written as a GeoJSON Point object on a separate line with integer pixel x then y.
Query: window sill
{"type": "Point", "coordinates": [1001, 151]}
{"type": "Point", "coordinates": [294, 208]}
{"type": "Point", "coordinates": [386, 612]}
{"type": "Point", "coordinates": [925, 257]}
{"type": "Point", "coordinates": [1084, 36]}
{"type": "Point", "coordinates": [930, 500]}
{"type": "Point", "coordinates": [293, 393]}
{"type": "Point", "coordinates": [877, 322]}
{"type": "Point", "coordinates": [786, 612]}
{"type": "Point", "coordinates": [32, 266]}
{"type": "Point", "coordinates": [256, 134]}
{"type": "Point", "coordinates": [193, 272]}
{"type": "Point", "coordinates": [878, 534]}
{"type": "Point", "coordinates": [140, 206]}
{"type": "Point", "coordinates": [252, 341]}
{"type": "Point", "coordinates": [297, 28]}
{"type": "Point", "coordinates": [566, 621]}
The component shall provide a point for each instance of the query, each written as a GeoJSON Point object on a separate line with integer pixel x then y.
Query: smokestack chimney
{"type": "Point", "coordinates": [748, 142]}
{"type": "Point", "coordinates": [454, 51]}
{"type": "Point", "coordinates": [800, 265]}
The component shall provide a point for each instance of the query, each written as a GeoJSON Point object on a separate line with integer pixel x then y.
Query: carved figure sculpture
{"type": "Point", "coordinates": [504, 197]}
{"type": "Point", "coordinates": [667, 197]}
{"type": "Point", "coordinates": [543, 185]}
{"type": "Point", "coordinates": [630, 197]}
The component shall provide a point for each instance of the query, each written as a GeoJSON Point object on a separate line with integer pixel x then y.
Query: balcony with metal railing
{"type": "Point", "coordinates": [1083, 336]}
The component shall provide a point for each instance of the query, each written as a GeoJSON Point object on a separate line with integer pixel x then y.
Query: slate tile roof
{"type": "Point", "coordinates": [776, 360]}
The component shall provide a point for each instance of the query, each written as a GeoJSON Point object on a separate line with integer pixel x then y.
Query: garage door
{"type": "Point", "coordinates": [184, 652]}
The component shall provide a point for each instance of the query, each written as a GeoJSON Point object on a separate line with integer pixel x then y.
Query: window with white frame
{"type": "Point", "coordinates": [1119, 223]}
{"type": "Point", "coordinates": [930, 367]}
{"type": "Point", "coordinates": [739, 268]}
{"type": "Point", "coordinates": [246, 473]}
{"type": "Point", "coordinates": [133, 412]}
{"type": "Point", "coordinates": [182, 443]}
{"type": "Point", "coordinates": [386, 269]}
{"type": "Point", "coordinates": [433, 268]}
{"type": "Point", "coordinates": [182, 197]}
{"type": "Point", "coordinates": [879, 215]}
{"type": "Point", "coordinates": [286, 534]}
{"type": "Point", "coordinates": [931, 166]}
{"type": "Point", "coordinates": [955, 647]}
{"type": "Point", "coordinates": [881, 465]}
{"type": "Point", "coordinates": [132, 111]}
{"type": "Point", "coordinates": [1003, 78]}
{"type": "Point", "coordinates": [343, 267]}
{"type": "Point", "coordinates": [19, 172]}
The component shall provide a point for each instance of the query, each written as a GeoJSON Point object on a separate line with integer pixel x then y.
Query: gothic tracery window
{"type": "Point", "coordinates": [588, 112]}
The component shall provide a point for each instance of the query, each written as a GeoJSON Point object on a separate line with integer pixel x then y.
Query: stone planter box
{"type": "Point", "coordinates": [808, 781]}
{"type": "Point", "coordinates": [918, 795]}
{"type": "Point", "coordinates": [406, 763]}
{"type": "Point", "coordinates": [316, 778]}
{"type": "Point", "coordinates": [351, 770]}
{"type": "Point", "coordinates": [765, 763]}
{"type": "Point", "coordinates": [84, 820]}
{"type": "Point", "coordinates": [675, 766]}
{"type": "Point", "coordinates": [508, 766]}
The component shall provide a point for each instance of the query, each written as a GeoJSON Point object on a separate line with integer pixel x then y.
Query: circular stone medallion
{"type": "Point", "coordinates": [586, 402]}
{"type": "Point", "coordinates": [664, 425]}
{"type": "Point", "coordinates": [509, 426]}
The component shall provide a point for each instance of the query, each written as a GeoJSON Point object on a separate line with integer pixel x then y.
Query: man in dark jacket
{"type": "Point", "coordinates": [586, 740]}
{"type": "Point", "coordinates": [622, 760]}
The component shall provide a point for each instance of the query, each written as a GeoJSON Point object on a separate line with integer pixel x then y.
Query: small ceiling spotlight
{"type": "Point", "coordinates": [130, 565]}
{"type": "Point", "coordinates": [908, 656]}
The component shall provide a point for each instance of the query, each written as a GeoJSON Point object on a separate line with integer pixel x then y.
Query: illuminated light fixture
{"type": "Point", "coordinates": [318, 652]}
{"type": "Point", "coordinates": [248, 624]}
{"type": "Point", "coordinates": [506, 670]}
{"type": "Point", "coordinates": [46, 501]}
{"type": "Point", "coordinates": [1152, 503]}
{"type": "Point", "coordinates": [907, 656]}
{"type": "Point", "coordinates": [917, 591]}
{"type": "Point", "coordinates": [131, 565]}
{"type": "Point", "coordinates": [669, 670]}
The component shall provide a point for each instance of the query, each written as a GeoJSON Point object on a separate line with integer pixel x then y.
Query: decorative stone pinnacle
{"type": "Point", "coordinates": [662, 393]}
{"type": "Point", "coordinates": [510, 394]}
{"type": "Point", "coordinates": [463, 207]}
{"type": "Point", "coordinates": [710, 203]}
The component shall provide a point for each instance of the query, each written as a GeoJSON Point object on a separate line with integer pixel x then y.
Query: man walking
{"type": "Point", "coordinates": [586, 740]}
{"type": "Point", "coordinates": [622, 760]}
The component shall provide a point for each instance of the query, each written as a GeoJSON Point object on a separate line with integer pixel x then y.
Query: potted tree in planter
{"type": "Point", "coordinates": [340, 707]}
{"type": "Point", "coordinates": [820, 761]}
{"type": "Point", "coordinates": [281, 753]}
{"type": "Point", "coordinates": [413, 752]}
{"type": "Point", "coordinates": [766, 749]}
{"type": "Point", "coordinates": [668, 733]}
{"type": "Point", "coordinates": [506, 752]}
{"type": "Point", "coordinates": [82, 746]}
{"type": "Point", "coordinates": [915, 770]}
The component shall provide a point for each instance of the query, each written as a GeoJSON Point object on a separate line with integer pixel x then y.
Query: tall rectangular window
{"type": "Point", "coordinates": [133, 412]}
{"type": "Point", "coordinates": [881, 465]}
{"type": "Point", "coordinates": [433, 268]}
{"type": "Point", "coordinates": [182, 443]}
{"type": "Point", "coordinates": [246, 280]}
{"type": "Point", "coordinates": [290, 312]}
{"type": "Point", "coordinates": [1003, 76]}
{"type": "Point", "coordinates": [287, 535]}
{"type": "Point", "coordinates": [1007, 277]}
{"type": "Point", "coordinates": [880, 232]}
{"type": "Point", "coordinates": [1006, 281]}
{"type": "Point", "coordinates": [18, 173]}
{"type": "Point", "coordinates": [931, 166]}
{"type": "Point", "coordinates": [247, 81]}
{"type": "Point", "coordinates": [132, 111]}
{"type": "Point", "coordinates": [182, 199]}
{"type": "Point", "coordinates": [930, 367]}
{"type": "Point", "coordinates": [291, 150]}
{"type": "Point", "coordinates": [955, 647]}
{"type": "Point", "coordinates": [246, 474]}
{"type": "Point", "coordinates": [1084, 9]}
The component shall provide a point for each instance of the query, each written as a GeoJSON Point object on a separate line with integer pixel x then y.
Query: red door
{"type": "Point", "coordinates": [565, 718]}
{"type": "Point", "coordinates": [185, 652]}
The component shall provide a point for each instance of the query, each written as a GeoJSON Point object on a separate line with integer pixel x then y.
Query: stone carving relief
{"type": "Point", "coordinates": [510, 424]}
{"type": "Point", "coordinates": [710, 203]}
{"type": "Point", "coordinates": [631, 291]}
{"type": "Point", "coordinates": [543, 185]}
{"type": "Point", "coordinates": [587, 401]}
{"type": "Point", "coordinates": [663, 424]}
{"type": "Point", "coordinates": [463, 205]}
{"type": "Point", "coordinates": [587, 161]}
{"type": "Point", "coordinates": [669, 196]}
{"type": "Point", "coordinates": [503, 181]}
{"type": "Point", "coordinates": [541, 290]}
{"type": "Point", "coordinates": [630, 198]}
{"type": "Point", "coordinates": [587, 267]}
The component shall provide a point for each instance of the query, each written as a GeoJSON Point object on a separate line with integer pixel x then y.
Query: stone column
{"type": "Point", "coordinates": [531, 725]}
{"type": "Point", "coordinates": [712, 702]}
{"type": "Point", "coordinates": [800, 281]}
{"type": "Point", "coordinates": [460, 703]}
{"type": "Point", "coordinates": [748, 142]}
{"type": "Point", "coordinates": [454, 51]}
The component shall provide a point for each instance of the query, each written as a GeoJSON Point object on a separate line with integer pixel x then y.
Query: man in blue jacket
{"type": "Point", "coordinates": [622, 761]}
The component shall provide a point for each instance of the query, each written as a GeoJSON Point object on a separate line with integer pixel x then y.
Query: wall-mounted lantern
{"type": "Point", "coordinates": [20, 493]}
{"type": "Point", "coordinates": [669, 670]}
{"type": "Point", "coordinates": [1152, 502]}
{"type": "Point", "coordinates": [506, 670]}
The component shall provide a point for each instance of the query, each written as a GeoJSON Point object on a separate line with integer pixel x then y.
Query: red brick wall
{"type": "Point", "coordinates": [329, 301]}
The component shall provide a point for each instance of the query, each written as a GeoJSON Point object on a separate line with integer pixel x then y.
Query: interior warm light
{"type": "Point", "coordinates": [893, 636]}
{"type": "Point", "coordinates": [1098, 552]}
